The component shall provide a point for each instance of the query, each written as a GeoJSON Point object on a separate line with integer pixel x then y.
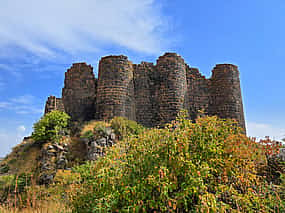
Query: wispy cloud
{"type": "Point", "coordinates": [86, 25]}
{"type": "Point", "coordinates": [25, 104]}
{"type": "Point", "coordinates": [24, 99]}
{"type": "Point", "coordinates": [260, 130]}
{"type": "Point", "coordinates": [12, 69]}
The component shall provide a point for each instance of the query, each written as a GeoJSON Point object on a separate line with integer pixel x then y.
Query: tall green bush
{"type": "Point", "coordinates": [51, 127]}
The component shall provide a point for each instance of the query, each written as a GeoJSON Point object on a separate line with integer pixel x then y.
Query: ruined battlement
{"type": "Point", "coordinates": [151, 94]}
{"type": "Point", "coordinates": [53, 103]}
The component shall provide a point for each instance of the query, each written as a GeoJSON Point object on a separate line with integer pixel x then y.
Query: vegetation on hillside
{"type": "Point", "coordinates": [206, 166]}
{"type": "Point", "coordinates": [51, 127]}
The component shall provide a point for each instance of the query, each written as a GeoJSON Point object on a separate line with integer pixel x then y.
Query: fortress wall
{"type": "Point", "coordinates": [197, 92]}
{"type": "Point", "coordinates": [149, 94]}
{"type": "Point", "coordinates": [144, 84]}
{"type": "Point", "coordinates": [225, 98]}
{"type": "Point", "coordinates": [173, 86]}
{"type": "Point", "coordinates": [115, 91]}
{"type": "Point", "coordinates": [53, 103]}
{"type": "Point", "coordinates": [79, 92]}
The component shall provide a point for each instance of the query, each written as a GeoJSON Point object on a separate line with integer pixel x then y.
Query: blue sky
{"type": "Point", "coordinates": [39, 40]}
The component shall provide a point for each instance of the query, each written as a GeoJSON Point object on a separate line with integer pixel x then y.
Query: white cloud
{"type": "Point", "coordinates": [9, 138]}
{"type": "Point", "coordinates": [25, 104]}
{"type": "Point", "coordinates": [11, 69]}
{"type": "Point", "coordinates": [72, 25]}
{"type": "Point", "coordinates": [260, 130]}
{"type": "Point", "coordinates": [21, 128]}
{"type": "Point", "coordinates": [24, 99]}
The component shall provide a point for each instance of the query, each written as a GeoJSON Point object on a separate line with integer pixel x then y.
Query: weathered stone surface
{"type": "Point", "coordinates": [53, 157]}
{"type": "Point", "coordinates": [96, 148]}
{"type": "Point", "coordinates": [53, 103]}
{"type": "Point", "coordinates": [173, 86]}
{"type": "Point", "coordinates": [150, 94]}
{"type": "Point", "coordinates": [225, 94]}
{"type": "Point", "coordinates": [79, 92]}
{"type": "Point", "coordinates": [115, 92]}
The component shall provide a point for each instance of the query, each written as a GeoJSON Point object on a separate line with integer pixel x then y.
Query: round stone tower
{"type": "Point", "coordinates": [115, 91]}
{"type": "Point", "coordinates": [225, 93]}
{"type": "Point", "coordinates": [173, 86]}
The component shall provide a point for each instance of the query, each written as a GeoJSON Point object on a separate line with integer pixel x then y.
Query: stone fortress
{"type": "Point", "coordinates": [151, 94]}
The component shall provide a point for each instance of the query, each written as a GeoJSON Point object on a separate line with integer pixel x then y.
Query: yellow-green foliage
{"type": "Point", "coordinates": [207, 166]}
{"type": "Point", "coordinates": [124, 127]}
{"type": "Point", "coordinates": [6, 181]}
{"type": "Point", "coordinates": [121, 126]}
{"type": "Point", "coordinates": [51, 126]}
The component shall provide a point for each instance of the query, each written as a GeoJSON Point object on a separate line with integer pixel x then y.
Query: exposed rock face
{"type": "Point", "coordinates": [151, 94]}
{"type": "Point", "coordinates": [96, 147]}
{"type": "Point", "coordinates": [53, 158]}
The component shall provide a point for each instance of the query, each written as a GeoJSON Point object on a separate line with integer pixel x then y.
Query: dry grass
{"type": "Point", "coordinates": [23, 157]}
{"type": "Point", "coordinates": [93, 124]}
{"type": "Point", "coordinates": [42, 207]}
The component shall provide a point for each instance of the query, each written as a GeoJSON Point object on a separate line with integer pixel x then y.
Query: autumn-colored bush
{"type": "Point", "coordinates": [206, 166]}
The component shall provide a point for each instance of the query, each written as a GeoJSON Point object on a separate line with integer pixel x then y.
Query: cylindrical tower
{"type": "Point", "coordinates": [225, 93]}
{"type": "Point", "coordinates": [115, 91]}
{"type": "Point", "coordinates": [79, 92]}
{"type": "Point", "coordinates": [173, 86]}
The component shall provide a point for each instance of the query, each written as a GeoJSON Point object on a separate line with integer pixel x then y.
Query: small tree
{"type": "Point", "coordinates": [51, 127]}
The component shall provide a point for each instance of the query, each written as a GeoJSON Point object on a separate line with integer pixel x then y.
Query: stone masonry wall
{"type": "Point", "coordinates": [173, 86]}
{"type": "Point", "coordinates": [225, 93]}
{"type": "Point", "coordinates": [53, 103]}
{"type": "Point", "coordinates": [115, 92]}
{"type": "Point", "coordinates": [149, 94]}
{"type": "Point", "coordinates": [145, 85]}
{"type": "Point", "coordinates": [79, 92]}
{"type": "Point", "coordinates": [197, 92]}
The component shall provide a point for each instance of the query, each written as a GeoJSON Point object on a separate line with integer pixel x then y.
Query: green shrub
{"type": "Point", "coordinates": [51, 127]}
{"type": "Point", "coordinates": [4, 169]}
{"type": "Point", "coordinates": [124, 127]}
{"type": "Point", "coordinates": [207, 166]}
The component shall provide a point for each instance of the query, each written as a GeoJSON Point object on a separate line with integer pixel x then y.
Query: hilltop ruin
{"type": "Point", "coordinates": [151, 94]}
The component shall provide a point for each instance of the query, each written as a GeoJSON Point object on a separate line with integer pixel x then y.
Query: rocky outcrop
{"type": "Point", "coordinates": [53, 158]}
{"type": "Point", "coordinates": [96, 147]}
